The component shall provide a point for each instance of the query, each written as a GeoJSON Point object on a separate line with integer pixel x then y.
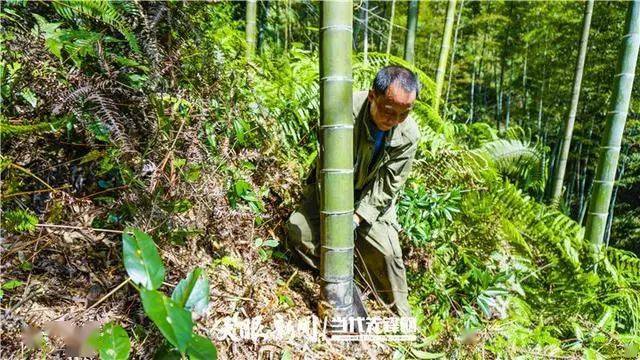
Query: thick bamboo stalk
{"type": "Point", "coordinates": [336, 158]}
{"type": "Point", "coordinates": [558, 177]}
{"type": "Point", "coordinates": [610, 145]}
{"type": "Point", "coordinates": [251, 28]}
{"type": "Point", "coordinates": [444, 53]}
{"type": "Point", "coordinates": [412, 25]}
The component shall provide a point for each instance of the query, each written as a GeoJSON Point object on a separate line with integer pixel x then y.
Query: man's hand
{"type": "Point", "coordinates": [356, 220]}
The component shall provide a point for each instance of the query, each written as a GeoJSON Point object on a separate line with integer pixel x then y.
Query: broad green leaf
{"type": "Point", "coordinates": [141, 259]}
{"type": "Point", "coordinates": [192, 293]}
{"type": "Point", "coordinates": [201, 348]}
{"type": "Point", "coordinates": [112, 343]}
{"type": "Point", "coordinates": [173, 321]}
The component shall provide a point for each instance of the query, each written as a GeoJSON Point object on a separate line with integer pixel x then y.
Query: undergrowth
{"type": "Point", "coordinates": [176, 137]}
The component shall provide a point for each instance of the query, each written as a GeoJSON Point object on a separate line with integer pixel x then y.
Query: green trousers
{"type": "Point", "coordinates": [377, 251]}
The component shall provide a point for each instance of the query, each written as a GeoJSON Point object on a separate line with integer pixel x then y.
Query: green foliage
{"type": "Point", "coordinates": [19, 221]}
{"type": "Point", "coordinates": [9, 285]}
{"type": "Point", "coordinates": [141, 259]}
{"type": "Point", "coordinates": [172, 316]}
{"type": "Point", "coordinates": [9, 130]}
{"type": "Point", "coordinates": [108, 12]}
{"type": "Point", "coordinates": [201, 348]}
{"type": "Point", "coordinates": [422, 210]}
{"type": "Point", "coordinates": [173, 321]}
{"type": "Point", "coordinates": [192, 293]}
{"type": "Point", "coordinates": [491, 270]}
{"type": "Point", "coordinates": [519, 162]}
{"type": "Point", "coordinates": [242, 190]}
{"type": "Point", "coordinates": [112, 342]}
{"type": "Point", "coordinates": [266, 248]}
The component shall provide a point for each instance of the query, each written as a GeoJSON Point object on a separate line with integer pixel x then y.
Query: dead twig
{"type": "Point", "coordinates": [79, 228]}
{"type": "Point", "coordinates": [102, 299]}
{"type": "Point", "coordinates": [33, 192]}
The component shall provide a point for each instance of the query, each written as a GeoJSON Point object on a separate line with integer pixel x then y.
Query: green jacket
{"type": "Point", "coordinates": [377, 186]}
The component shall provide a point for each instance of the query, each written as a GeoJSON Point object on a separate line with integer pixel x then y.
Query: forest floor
{"type": "Point", "coordinates": [73, 272]}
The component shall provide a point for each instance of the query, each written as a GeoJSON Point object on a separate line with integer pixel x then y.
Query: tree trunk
{"type": "Point", "coordinates": [444, 53]}
{"type": "Point", "coordinates": [336, 159]}
{"type": "Point", "coordinates": [251, 28]}
{"type": "Point", "coordinates": [391, 17]}
{"type": "Point", "coordinates": [558, 177]}
{"type": "Point", "coordinates": [610, 144]}
{"type": "Point", "coordinates": [453, 52]}
{"type": "Point", "coordinates": [412, 25]}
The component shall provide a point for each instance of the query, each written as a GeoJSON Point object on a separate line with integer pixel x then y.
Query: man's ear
{"type": "Point", "coordinates": [371, 95]}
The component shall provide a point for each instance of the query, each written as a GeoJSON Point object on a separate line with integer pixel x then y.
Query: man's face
{"type": "Point", "coordinates": [392, 108]}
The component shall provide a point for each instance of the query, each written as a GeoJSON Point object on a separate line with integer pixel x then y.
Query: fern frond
{"type": "Point", "coordinates": [108, 113]}
{"type": "Point", "coordinates": [100, 10]}
{"type": "Point", "coordinates": [518, 160]}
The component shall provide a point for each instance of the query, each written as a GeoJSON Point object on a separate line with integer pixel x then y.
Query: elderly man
{"type": "Point", "coordinates": [385, 142]}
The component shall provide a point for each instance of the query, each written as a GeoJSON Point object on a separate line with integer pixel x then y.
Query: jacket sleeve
{"type": "Point", "coordinates": [378, 195]}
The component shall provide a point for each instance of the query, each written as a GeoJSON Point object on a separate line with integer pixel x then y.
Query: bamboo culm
{"type": "Point", "coordinates": [559, 173]}
{"type": "Point", "coordinates": [609, 151]}
{"type": "Point", "coordinates": [391, 17]}
{"type": "Point", "coordinates": [412, 25]}
{"type": "Point", "coordinates": [251, 27]}
{"type": "Point", "coordinates": [453, 52]}
{"type": "Point", "coordinates": [444, 53]}
{"type": "Point", "coordinates": [335, 175]}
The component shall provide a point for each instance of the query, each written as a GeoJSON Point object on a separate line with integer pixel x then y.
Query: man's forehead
{"type": "Point", "coordinates": [397, 95]}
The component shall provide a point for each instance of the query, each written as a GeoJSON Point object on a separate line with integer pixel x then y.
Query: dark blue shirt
{"type": "Point", "coordinates": [378, 144]}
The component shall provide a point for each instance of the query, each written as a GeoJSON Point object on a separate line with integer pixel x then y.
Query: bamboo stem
{"type": "Point", "coordinates": [614, 130]}
{"type": "Point", "coordinates": [560, 169]}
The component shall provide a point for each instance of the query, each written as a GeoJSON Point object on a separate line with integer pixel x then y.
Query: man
{"type": "Point", "coordinates": [385, 142]}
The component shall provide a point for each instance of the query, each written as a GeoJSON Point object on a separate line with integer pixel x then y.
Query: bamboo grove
{"type": "Point", "coordinates": [151, 152]}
